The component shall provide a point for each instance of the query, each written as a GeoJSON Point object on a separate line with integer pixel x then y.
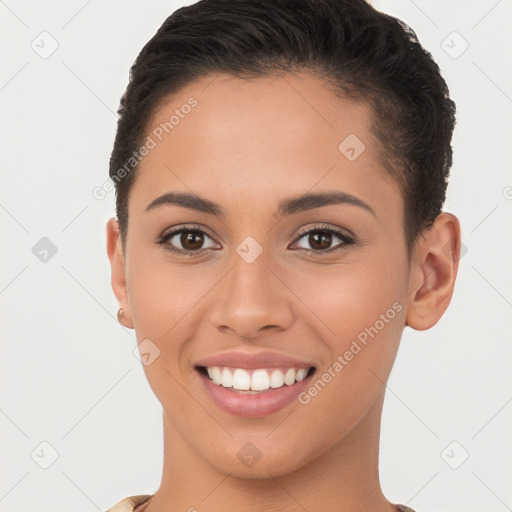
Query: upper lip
{"type": "Point", "coordinates": [254, 360]}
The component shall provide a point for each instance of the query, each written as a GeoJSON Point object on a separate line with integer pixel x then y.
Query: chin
{"type": "Point", "coordinates": [257, 459]}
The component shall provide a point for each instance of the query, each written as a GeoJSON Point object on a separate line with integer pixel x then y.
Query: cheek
{"type": "Point", "coordinates": [361, 321]}
{"type": "Point", "coordinates": [340, 301]}
{"type": "Point", "coordinates": [345, 300]}
{"type": "Point", "coordinates": [166, 302]}
{"type": "Point", "coordinates": [161, 292]}
{"type": "Point", "coordinates": [359, 314]}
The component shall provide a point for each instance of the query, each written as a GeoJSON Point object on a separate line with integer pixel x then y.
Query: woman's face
{"type": "Point", "coordinates": [261, 279]}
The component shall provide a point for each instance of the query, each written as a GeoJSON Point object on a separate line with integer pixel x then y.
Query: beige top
{"type": "Point", "coordinates": [139, 503]}
{"type": "Point", "coordinates": [131, 504]}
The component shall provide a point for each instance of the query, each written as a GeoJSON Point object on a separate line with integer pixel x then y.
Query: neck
{"type": "Point", "coordinates": [344, 478]}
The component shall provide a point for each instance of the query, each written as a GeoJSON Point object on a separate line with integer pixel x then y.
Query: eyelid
{"type": "Point", "coordinates": [346, 236]}
{"type": "Point", "coordinates": [325, 227]}
{"type": "Point", "coordinates": [185, 227]}
{"type": "Point", "coordinates": [172, 232]}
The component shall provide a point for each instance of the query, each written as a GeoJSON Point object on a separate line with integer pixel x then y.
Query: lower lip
{"type": "Point", "coordinates": [253, 405]}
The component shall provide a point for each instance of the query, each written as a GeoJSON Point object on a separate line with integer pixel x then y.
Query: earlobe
{"type": "Point", "coordinates": [118, 272]}
{"type": "Point", "coordinates": [433, 272]}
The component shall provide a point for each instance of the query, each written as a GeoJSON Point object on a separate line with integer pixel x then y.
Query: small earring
{"type": "Point", "coordinates": [120, 314]}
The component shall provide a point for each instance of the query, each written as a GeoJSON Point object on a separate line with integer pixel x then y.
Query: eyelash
{"type": "Point", "coordinates": [347, 240]}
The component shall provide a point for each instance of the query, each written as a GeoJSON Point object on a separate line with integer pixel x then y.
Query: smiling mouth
{"type": "Point", "coordinates": [253, 381]}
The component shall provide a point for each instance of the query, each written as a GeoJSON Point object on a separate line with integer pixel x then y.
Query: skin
{"type": "Point", "coordinates": [247, 145]}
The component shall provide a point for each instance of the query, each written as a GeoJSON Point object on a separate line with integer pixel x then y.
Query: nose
{"type": "Point", "coordinates": [252, 299]}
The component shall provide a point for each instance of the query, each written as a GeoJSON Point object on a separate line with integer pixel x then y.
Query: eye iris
{"type": "Point", "coordinates": [187, 240]}
{"type": "Point", "coordinates": [320, 237]}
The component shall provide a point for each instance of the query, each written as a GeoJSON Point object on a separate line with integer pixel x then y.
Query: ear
{"type": "Point", "coordinates": [118, 279]}
{"type": "Point", "coordinates": [434, 266]}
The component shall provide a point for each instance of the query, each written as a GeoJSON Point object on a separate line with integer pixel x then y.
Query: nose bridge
{"type": "Point", "coordinates": [251, 297]}
{"type": "Point", "coordinates": [250, 276]}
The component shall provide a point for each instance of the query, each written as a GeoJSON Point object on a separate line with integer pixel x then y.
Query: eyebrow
{"type": "Point", "coordinates": [290, 206]}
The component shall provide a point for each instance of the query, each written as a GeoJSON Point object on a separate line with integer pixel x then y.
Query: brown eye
{"type": "Point", "coordinates": [186, 241]}
{"type": "Point", "coordinates": [191, 240]}
{"type": "Point", "coordinates": [321, 238]}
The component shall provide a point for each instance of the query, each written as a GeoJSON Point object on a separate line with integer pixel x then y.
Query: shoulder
{"type": "Point", "coordinates": [129, 504]}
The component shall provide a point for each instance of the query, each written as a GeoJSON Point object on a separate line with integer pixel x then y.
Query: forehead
{"type": "Point", "coordinates": [286, 132]}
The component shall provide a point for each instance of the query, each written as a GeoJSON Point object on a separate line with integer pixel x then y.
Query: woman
{"type": "Point", "coordinates": [280, 171]}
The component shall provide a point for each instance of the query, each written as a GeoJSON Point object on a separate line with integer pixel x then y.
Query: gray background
{"type": "Point", "coordinates": [74, 398]}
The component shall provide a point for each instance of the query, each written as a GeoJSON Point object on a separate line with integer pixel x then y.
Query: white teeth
{"type": "Point", "coordinates": [227, 378]}
{"type": "Point", "coordinates": [289, 377]}
{"type": "Point", "coordinates": [241, 379]}
{"type": "Point", "coordinates": [277, 379]}
{"type": "Point", "coordinates": [260, 380]}
{"type": "Point", "coordinates": [301, 374]}
{"type": "Point", "coordinates": [217, 375]}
